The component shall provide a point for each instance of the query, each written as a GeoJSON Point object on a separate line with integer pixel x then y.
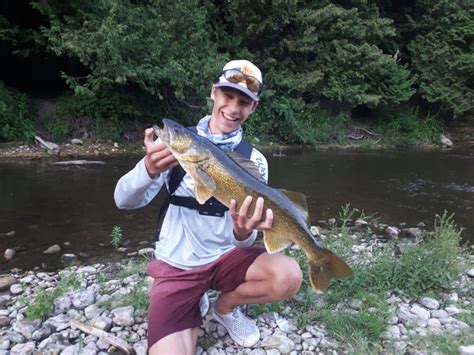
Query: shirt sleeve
{"type": "Point", "coordinates": [136, 188]}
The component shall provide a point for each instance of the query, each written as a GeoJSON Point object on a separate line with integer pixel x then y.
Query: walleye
{"type": "Point", "coordinates": [226, 175]}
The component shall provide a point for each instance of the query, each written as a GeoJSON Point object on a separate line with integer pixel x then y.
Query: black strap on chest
{"type": "Point", "coordinates": [212, 207]}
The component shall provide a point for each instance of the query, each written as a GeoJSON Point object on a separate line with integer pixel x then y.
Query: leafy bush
{"type": "Point", "coordinates": [15, 115]}
{"type": "Point", "coordinates": [407, 127]}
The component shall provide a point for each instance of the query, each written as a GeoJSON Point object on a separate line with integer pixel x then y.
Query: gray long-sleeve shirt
{"type": "Point", "coordinates": [187, 238]}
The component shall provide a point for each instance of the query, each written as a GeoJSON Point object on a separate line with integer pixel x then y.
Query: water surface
{"type": "Point", "coordinates": [47, 204]}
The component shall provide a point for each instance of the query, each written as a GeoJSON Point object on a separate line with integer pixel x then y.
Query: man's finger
{"type": "Point", "coordinates": [244, 209]}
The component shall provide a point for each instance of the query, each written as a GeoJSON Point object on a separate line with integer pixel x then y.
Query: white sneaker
{"type": "Point", "coordinates": [241, 329]}
{"type": "Point", "coordinates": [204, 305]}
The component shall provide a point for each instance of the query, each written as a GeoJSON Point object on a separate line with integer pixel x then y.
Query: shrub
{"type": "Point", "coordinates": [407, 127]}
{"type": "Point", "coordinates": [15, 115]}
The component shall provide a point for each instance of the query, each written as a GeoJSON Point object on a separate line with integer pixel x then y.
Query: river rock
{"type": "Point", "coordinates": [123, 316]}
{"type": "Point", "coordinates": [445, 141]}
{"type": "Point", "coordinates": [4, 321]}
{"type": "Point", "coordinates": [412, 232]}
{"type": "Point", "coordinates": [77, 141]}
{"type": "Point", "coordinates": [9, 253]}
{"type": "Point", "coordinates": [6, 281]}
{"type": "Point", "coordinates": [452, 309]}
{"type": "Point", "coordinates": [52, 249]}
{"type": "Point", "coordinates": [101, 322]}
{"type": "Point", "coordinates": [82, 299]}
{"type": "Point", "coordinates": [420, 312]}
{"type": "Point", "coordinates": [429, 303]}
{"type": "Point", "coordinates": [26, 327]}
{"type": "Point", "coordinates": [466, 350]}
{"type": "Point", "coordinates": [27, 348]}
{"type": "Point", "coordinates": [392, 232]}
{"type": "Point", "coordinates": [280, 342]}
{"type": "Point", "coordinates": [62, 304]}
{"type": "Point", "coordinates": [16, 289]}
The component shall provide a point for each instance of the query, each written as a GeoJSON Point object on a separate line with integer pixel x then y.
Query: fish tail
{"type": "Point", "coordinates": [326, 267]}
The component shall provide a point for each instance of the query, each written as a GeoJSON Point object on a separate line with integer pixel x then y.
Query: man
{"type": "Point", "coordinates": [198, 251]}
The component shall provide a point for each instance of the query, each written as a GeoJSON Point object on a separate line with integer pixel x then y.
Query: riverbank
{"type": "Point", "coordinates": [97, 149]}
{"type": "Point", "coordinates": [40, 311]}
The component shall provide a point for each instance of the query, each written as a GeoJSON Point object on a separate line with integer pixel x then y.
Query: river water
{"type": "Point", "coordinates": [47, 204]}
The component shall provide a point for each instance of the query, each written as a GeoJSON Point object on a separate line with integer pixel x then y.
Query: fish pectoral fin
{"type": "Point", "coordinates": [299, 200]}
{"type": "Point", "coordinates": [204, 185]}
{"type": "Point", "coordinates": [274, 242]}
{"type": "Point", "coordinates": [202, 192]}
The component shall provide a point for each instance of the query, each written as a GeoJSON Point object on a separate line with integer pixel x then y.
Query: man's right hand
{"type": "Point", "coordinates": [158, 157]}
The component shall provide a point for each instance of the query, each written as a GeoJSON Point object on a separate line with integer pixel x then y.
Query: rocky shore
{"type": "Point", "coordinates": [101, 309]}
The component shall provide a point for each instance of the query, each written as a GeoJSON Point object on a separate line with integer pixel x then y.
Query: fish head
{"type": "Point", "coordinates": [185, 145]}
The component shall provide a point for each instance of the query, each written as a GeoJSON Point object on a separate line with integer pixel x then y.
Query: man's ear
{"type": "Point", "coordinates": [255, 104]}
{"type": "Point", "coordinates": [213, 93]}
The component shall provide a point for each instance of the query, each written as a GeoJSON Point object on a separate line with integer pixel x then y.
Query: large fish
{"type": "Point", "coordinates": [226, 175]}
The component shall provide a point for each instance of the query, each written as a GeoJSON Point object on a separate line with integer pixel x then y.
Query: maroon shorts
{"type": "Point", "coordinates": [175, 294]}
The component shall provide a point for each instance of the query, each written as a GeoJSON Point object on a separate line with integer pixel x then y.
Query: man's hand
{"type": "Point", "coordinates": [158, 157]}
{"type": "Point", "coordinates": [243, 224]}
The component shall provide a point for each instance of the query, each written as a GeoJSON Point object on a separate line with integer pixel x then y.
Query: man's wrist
{"type": "Point", "coordinates": [242, 237]}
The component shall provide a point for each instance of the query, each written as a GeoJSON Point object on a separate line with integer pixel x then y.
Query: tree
{"type": "Point", "coordinates": [163, 47]}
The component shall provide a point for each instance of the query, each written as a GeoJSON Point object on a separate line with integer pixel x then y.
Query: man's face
{"type": "Point", "coordinates": [231, 109]}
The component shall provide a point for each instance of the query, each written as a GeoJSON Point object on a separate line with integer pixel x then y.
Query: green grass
{"type": "Point", "coordinates": [426, 267]}
{"type": "Point", "coordinates": [407, 127]}
{"type": "Point", "coordinates": [43, 304]}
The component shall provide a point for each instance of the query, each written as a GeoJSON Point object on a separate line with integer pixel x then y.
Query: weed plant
{"type": "Point", "coordinates": [116, 236]}
{"type": "Point", "coordinates": [429, 264]}
{"type": "Point", "coordinates": [43, 303]}
{"type": "Point", "coordinates": [407, 127]}
{"type": "Point", "coordinates": [15, 116]}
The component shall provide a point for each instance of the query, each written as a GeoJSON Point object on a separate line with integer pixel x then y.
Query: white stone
{"type": "Point", "coordinates": [420, 312]}
{"type": "Point", "coordinates": [434, 323]}
{"type": "Point", "coordinates": [466, 350]}
{"type": "Point", "coordinates": [429, 303]}
{"type": "Point", "coordinates": [52, 249]}
{"type": "Point", "coordinates": [16, 289]}
{"type": "Point", "coordinates": [452, 309]}
{"type": "Point", "coordinates": [440, 313]}
{"type": "Point", "coordinates": [123, 316]}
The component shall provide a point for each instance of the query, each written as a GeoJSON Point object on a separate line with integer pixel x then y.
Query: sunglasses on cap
{"type": "Point", "coordinates": [235, 76]}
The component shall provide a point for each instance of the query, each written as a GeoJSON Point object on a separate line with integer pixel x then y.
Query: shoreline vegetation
{"type": "Point", "coordinates": [412, 292]}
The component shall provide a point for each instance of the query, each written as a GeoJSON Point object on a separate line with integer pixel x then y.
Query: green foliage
{"type": "Point", "coordinates": [165, 48]}
{"type": "Point", "coordinates": [116, 236]}
{"type": "Point", "coordinates": [43, 303]}
{"type": "Point", "coordinates": [367, 324]}
{"type": "Point", "coordinates": [138, 298]}
{"type": "Point", "coordinates": [433, 262]}
{"type": "Point", "coordinates": [407, 127]}
{"type": "Point", "coordinates": [133, 266]}
{"type": "Point", "coordinates": [443, 55]}
{"type": "Point", "coordinates": [15, 115]}
{"type": "Point", "coordinates": [58, 128]}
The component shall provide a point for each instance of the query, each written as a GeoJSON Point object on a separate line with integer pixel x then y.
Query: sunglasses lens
{"type": "Point", "coordinates": [236, 76]}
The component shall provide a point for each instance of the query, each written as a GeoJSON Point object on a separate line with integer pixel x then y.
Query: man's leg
{"type": "Point", "coordinates": [182, 342]}
{"type": "Point", "coordinates": [271, 277]}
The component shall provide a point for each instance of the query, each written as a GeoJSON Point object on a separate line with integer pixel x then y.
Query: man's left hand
{"type": "Point", "coordinates": [243, 224]}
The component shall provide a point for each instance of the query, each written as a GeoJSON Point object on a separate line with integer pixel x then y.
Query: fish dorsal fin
{"type": "Point", "coordinates": [204, 185]}
{"type": "Point", "coordinates": [245, 163]}
{"type": "Point", "coordinates": [299, 200]}
{"type": "Point", "coordinates": [274, 242]}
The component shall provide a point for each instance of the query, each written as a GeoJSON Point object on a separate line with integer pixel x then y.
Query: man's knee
{"type": "Point", "coordinates": [288, 278]}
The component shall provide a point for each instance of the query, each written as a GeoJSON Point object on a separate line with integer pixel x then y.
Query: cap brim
{"type": "Point", "coordinates": [241, 88]}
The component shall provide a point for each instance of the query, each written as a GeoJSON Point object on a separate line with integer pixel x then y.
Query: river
{"type": "Point", "coordinates": [47, 204]}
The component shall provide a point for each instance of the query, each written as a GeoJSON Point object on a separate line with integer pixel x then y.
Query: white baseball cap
{"type": "Point", "coordinates": [243, 76]}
